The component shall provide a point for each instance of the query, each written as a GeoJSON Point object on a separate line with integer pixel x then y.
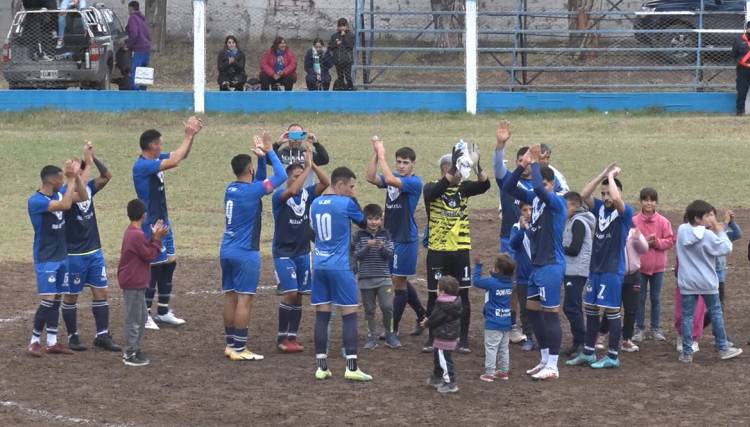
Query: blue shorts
{"type": "Point", "coordinates": [240, 274]}
{"type": "Point", "coordinates": [293, 274]}
{"type": "Point", "coordinates": [404, 262]}
{"type": "Point", "coordinates": [336, 287]}
{"type": "Point", "coordinates": [52, 277]}
{"type": "Point", "coordinates": [86, 270]}
{"type": "Point", "coordinates": [604, 290]}
{"type": "Point", "coordinates": [545, 283]}
{"type": "Point", "coordinates": [167, 243]}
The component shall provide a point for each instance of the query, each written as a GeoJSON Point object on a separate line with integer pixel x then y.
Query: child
{"type": "Point", "coordinates": [658, 232]}
{"type": "Point", "coordinates": [133, 275]}
{"type": "Point", "coordinates": [445, 326]}
{"type": "Point", "coordinates": [373, 250]}
{"type": "Point", "coordinates": [699, 243]}
{"type": "Point", "coordinates": [577, 241]}
{"type": "Point", "coordinates": [733, 233]}
{"type": "Point", "coordinates": [521, 249]}
{"type": "Point", "coordinates": [498, 288]}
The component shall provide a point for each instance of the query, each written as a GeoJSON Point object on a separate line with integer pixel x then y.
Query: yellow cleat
{"type": "Point", "coordinates": [357, 376]}
{"type": "Point", "coordinates": [228, 351]}
{"type": "Point", "coordinates": [244, 355]}
{"type": "Point", "coordinates": [323, 375]}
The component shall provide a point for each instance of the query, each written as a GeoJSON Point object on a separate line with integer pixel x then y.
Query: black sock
{"type": "Point", "coordinates": [100, 310]}
{"type": "Point", "coordinates": [553, 332]}
{"type": "Point", "coordinates": [164, 287]}
{"type": "Point", "coordinates": [295, 316]}
{"type": "Point", "coordinates": [69, 315]}
{"type": "Point", "coordinates": [53, 319]}
{"type": "Point", "coordinates": [284, 314]}
{"type": "Point", "coordinates": [349, 332]}
{"type": "Point", "coordinates": [412, 299]}
{"type": "Point", "coordinates": [351, 362]}
{"type": "Point", "coordinates": [321, 361]}
{"type": "Point", "coordinates": [465, 316]}
{"type": "Point", "coordinates": [155, 277]}
{"type": "Point", "coordinates": [615, 328]}
{"type": "Point", "coordinates": [400, 298]}
{"type": "Point", "coordinates": [592, 330]}
{"type": "Point", "coordinates": [229, 336]}
{"type": "Point", "coordinates": [536, 319]}
{"type": "Point", "coordinates": [322, 318]}
{"type": "Point", "coordinates": [40, 317]}
{"type": "Point", "coordinates": [240, 339]}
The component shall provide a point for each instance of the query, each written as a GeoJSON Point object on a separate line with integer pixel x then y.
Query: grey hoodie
{"type": "Point", "coordinates": [697, 250]}
{"type": "Point", "coordinates": [579, 265]}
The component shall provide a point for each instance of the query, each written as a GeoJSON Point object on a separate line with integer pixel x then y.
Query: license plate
{"type": "Point", "coordinates": [48, 74]}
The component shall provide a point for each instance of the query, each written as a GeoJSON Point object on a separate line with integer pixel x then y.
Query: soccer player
{"type": "Point", "coordinates": [85, 258]}
{"type": "Point", "coordinates": [333, 280]}
{"type": "Point", "coordinates": [548, 215]}
{"type": "Point", "coordinates": [291, 246]}
{"type": "Point", "coordinates": [449, 236]}
{"type": "Point", "coordinates": [240, 247]}
{"type": "Point", "coordinates": [297, 141]}
{"type": "Point", "coordinates": [561, 184]}
{"type": "Point", "coordinates": [604, 288]}
{"type": "Point", "coordinates": [148, 179]}
{"type": "Point", "coordinates": [403, 191]}
{"type": "Point", "coordinates": [46, 210]}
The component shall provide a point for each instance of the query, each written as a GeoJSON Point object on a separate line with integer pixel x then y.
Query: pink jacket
{"type": "Point", "coordinates": [655, 260]}
{"type": "Point", "coordinates": [634, 249]}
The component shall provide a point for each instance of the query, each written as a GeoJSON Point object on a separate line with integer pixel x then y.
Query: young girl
{"type": "Point", "coordinates": [658, 232]}
{"type": "Point", "coordinates": [445, 325]}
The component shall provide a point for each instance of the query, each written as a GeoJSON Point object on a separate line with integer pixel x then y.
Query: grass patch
{"type": "Point", "coordinates": [683, 156]}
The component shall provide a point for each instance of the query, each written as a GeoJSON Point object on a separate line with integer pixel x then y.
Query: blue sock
{"type": "Point", "coordinates": [240, 339]}
{"type": "Point", "coordinates": [592, 330]}
{"type": "Point", "coordinates": [295, 316]}
{"type": "Point", "coordinates": [615, 328]}
{"type": "Point", "coordinates": [322, 318]}
{"type": "Point", "coordinates": [400, 298]}
{"type": "Point", "coordinates": [553, 332]}
{"type": "Point", "coordinates": [100, 310]}
{"type": "Point", "coordinates": [284, 315]}
{"type": "Point", "coordinates": [537, 324]}
{"type": "Point", "coordinates": [164, 287]}
{"type": "Point", "coordinates": [69, 315]}
{"type": "Point", "coordinates": [350, 333]}
{"type": "Point", "coordinates": [229, 336]}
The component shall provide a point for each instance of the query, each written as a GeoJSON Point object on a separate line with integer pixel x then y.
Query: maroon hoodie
{"type": "Point", "coordinates": [136, 255]}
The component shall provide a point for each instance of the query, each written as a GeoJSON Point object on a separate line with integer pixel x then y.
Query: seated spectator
{"type": "Point", "coordinates": [65, 5]}
{"type": "Point", "coordinates": [278, 66]}
{"type": "Point", "coordinates": [318, 62]}
{"type": "Point", "coordinates": [231, 65]}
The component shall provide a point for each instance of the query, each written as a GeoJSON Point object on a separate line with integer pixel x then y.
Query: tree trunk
{"type": "Point", "coordinates": [156, 14]}
{"type": "Point", "coordinates": [578, 20]}
{"type": "Point", "coordinates": [452, 22]}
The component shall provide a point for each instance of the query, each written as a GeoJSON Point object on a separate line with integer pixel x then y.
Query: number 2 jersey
{"type": "Point", "coordinates": [330, 218]}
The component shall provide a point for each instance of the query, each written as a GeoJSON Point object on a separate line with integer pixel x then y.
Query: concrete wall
{"type": "Point", "coordinates": [5, 19]}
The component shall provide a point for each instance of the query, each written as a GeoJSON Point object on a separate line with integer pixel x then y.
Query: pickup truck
{"type": "Point", "coordinates": [33, 59]}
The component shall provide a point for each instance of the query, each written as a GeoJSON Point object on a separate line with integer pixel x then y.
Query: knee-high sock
{"type": "Point", "coordinates": [615, 328]}
{"type": "Point", "coordinates": [350, 340]}
{"type": "Point", "coordinates": [53, 319]}
{"type": "Point", "coordinates": [156, 272]}
{"type": "Point", "coordinates": [592, 330]}
{"type": "Point", "coordinates": [553, 332]}
{"type": "Point", "coordinates": [40, 319]}
{"type": "Point", "coordinates": [240, 339]}
{"type": "Point", "coordinates": [465, 316]}
{"type": "Point", "coordinates": [100, 310]}
{"type": "Point", "coordinates": [229, 336]}
{"type": "Point", "coordinates": [322, 318]}
{"type": "Point", "coordinates": [284, 314]}
{"type": "Point", "coordinates": [400, 297]}
{"type": "Point", "coordinates": [536, 319]}
{"type": "Point", "coordinates": [414, 301]}
{"type": "Point", "coordinates": [164, 287]}
{"type": "Point", "coordinates": [70, 315]}
{"type": "Point", "coordinates": [295, 316]}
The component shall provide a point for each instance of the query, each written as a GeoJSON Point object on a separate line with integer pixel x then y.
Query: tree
{"type": "Point", "coordinates": [156, 14]}
{"type": "Point", "coordinates": [451, 22]}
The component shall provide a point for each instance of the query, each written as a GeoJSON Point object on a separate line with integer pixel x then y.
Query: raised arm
{"type": "Point", "coordinates": [733, 230]}
{"type": "Point", "coordinates": [296, 186]}
{"type": "Point", "coordinates": [511, 186]}
{"type": "Point", "coordinates": [536, 181]}
{"type": "Point", "coordinates": [70, 170]}
{"type": "Point", "coordinates": [320, 156]}
{"type": "Point", "coordinates": [104, 174]}
{"type": "Point", "coordinates": [476, 275]}
{"type": "Point", "coordinates": [588, 190]}
{"type": "Point", "coordinates": [614, 192]}
{"type": "Point", "coordinates": [372, 169]}
{"type": "Point", "coordinates": [323, 180]}
{"type": "Point", "coordinates": [192, 127]}
{"type": "Point", "coordinates": [279, 172]}
{"type": "Point", "coordinates": [388, 177]}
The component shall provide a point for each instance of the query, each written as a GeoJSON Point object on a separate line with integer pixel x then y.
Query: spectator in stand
{"type": "Point", "coordinates": [231, 65]}
{"type": "Point", "coordinates": [139, 41]}
{"type": "Point", "coordinates": [278, 66]}
{"type": "Point", "coordinates": [741, 54]}
{"type": "Point", "coordinates": [318, 62]}
{"type": "Point", "coordinates": [341, 46]}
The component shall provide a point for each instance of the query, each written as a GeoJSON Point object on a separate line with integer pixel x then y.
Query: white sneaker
{"type": "Point", "coordinates": [546, 374]}
{"type": "Point", "coordinates": [516, 336]}
{"type": "Point", "coordinates": [629, 347]}
{"type": "Point", "coordinates": [658, 335]}
{"type": "Point", "coordinates": [639, 335]}
{"type": "Point", "coordinates": [59, 44]}
{"type": "Point", "coordinates": [169, 319]}
{"type": "Point", "coordinates": [150, 324]}
{"type": "Point", "coordinates": [536, 369]}
{"type": "Point", "coordinates": [696, 348]}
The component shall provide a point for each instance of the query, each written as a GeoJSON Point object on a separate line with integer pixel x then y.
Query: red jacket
{"type": "Point", "coordinates": [134, 270]}
{"type": "Point", "coordinates": [655, 260]}
{"type": "Point", "coordinates": [268, 61]}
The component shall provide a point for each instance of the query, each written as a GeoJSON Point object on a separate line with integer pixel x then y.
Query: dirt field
{"type": "Point", "coordinates": [191, 383]}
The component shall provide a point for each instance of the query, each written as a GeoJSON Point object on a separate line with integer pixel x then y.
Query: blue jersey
{"type": "Point", "coordinates": [548, 214]}
{"type": "Point", "coordinates": [497, 292]}
{"type": "Point", "coordinates": [330, 215]}
{"type": "Point", "coordinates": [520, 243]}
{"type": "Point", "coordinates": [292, 233]}
{"type": "Point", "coordinates": [510, 205]}
{"type": "Point", "coordinates": [400, 204]}
{"type": "Point", "coordinates": [49, 228]}
{"type": "Point", "coordinates": [148, 180]}
{"type": "Point", "coordinates": [242, 212]}
{"type": "Point", "coordinates": [610, 236]}
{"type": "Point", "coordinates": [81, 230]}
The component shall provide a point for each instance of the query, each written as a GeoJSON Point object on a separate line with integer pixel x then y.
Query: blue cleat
{"type": "Point", "coordinates": [528, 345]}
{"type": "Point", "coordinates": [582, 359]}
{"type": "Point", "coordinates": [606, 362]}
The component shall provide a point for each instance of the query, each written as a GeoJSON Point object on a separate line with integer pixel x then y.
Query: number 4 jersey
{"type": "Point", "coordinates": [330, 217]}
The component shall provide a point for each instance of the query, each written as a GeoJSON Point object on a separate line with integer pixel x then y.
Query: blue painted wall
{"type": "Point", "coordinates": [368, 102]}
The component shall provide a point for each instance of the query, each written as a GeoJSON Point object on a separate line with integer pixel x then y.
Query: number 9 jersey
{"type": "Point", "coordinates": [329, 218]}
